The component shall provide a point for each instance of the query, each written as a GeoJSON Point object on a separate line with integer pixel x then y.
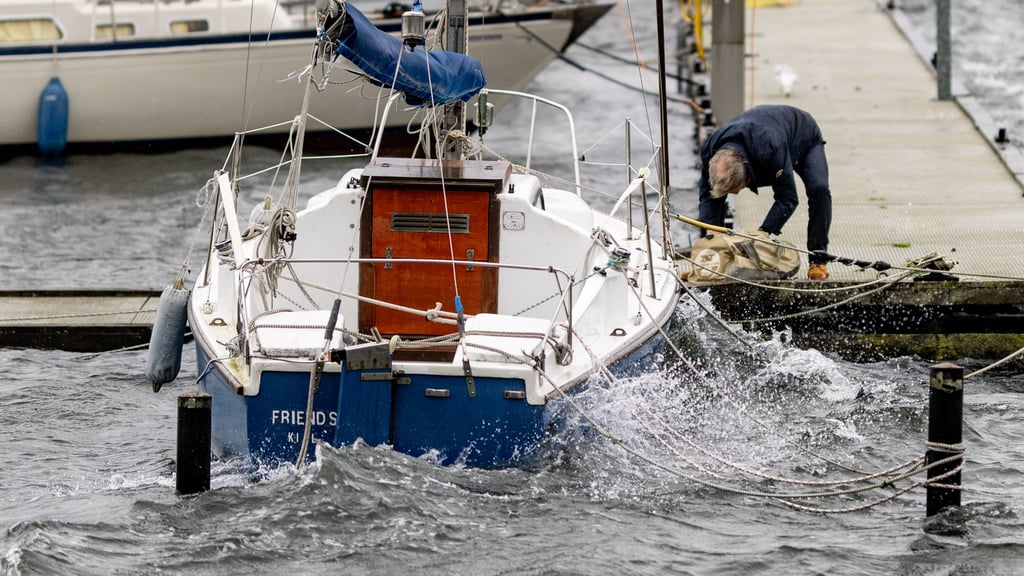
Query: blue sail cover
{"type": "Point", "coordinates": [452, 76]}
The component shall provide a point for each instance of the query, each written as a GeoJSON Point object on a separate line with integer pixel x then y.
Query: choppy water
{"type": "Point", "coordinates": [87, 471]}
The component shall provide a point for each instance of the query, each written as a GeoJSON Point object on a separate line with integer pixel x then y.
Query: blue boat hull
{"type": "Point", "coordinates": [417, 414]}
{"type": "Point", "coordinates": [496, 427]}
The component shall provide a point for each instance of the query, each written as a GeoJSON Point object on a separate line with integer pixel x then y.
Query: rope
{"type": "Point", "coordinates": [917, 266]}
{"type": "Point", "coordinates": [712, 385]}
{"type": "Point", "coordinates": [910, 468]}
{"type": "Point", "coordinates": [957, 448]}
{"type": "Point", "coordinates": [864, 478]}
{"type": "Point", "coordinates": [300, 461]}
{"type": "Point", "coordinates": [699, 12]}
{"type": "Point", "coordinates": [994, 364]}
{"type": "Point", "coordinates": [718, 319]}
{"type": "Point", "coordinates": [122, 349]}
{"type": "Point", "coordinates": [63, 316]}
{"type": "Point", "coordinates": [781, 496]}
{"type": "Point", "coordinates": [561, 292]}
{"type": "Point", "coordinates": [832, 305]}
{"type": "Point", "coordinates": [638, 63]}
{"type": "Point", "coordinates": [784, 288]}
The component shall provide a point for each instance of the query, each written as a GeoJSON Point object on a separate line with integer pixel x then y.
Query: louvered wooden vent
{"type": "Point", "coordinates": [429, 222]}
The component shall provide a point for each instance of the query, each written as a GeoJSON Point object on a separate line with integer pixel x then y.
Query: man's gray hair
{"type": "Point", "coordinates": [726, 172]}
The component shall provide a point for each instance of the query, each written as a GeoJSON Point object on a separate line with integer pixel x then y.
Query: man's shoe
{"type": "Point", "coordinates": [817, 272]}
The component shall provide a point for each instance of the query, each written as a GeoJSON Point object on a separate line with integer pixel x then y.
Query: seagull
{"type": "Point", "coordinates": [786, 77]}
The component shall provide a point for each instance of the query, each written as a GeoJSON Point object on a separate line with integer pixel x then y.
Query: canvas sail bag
{"type": "Point", "coordinates": [724, 256]}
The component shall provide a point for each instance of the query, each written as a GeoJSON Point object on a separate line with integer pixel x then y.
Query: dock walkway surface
{"type": "Point", "coordinates": [909, 174]}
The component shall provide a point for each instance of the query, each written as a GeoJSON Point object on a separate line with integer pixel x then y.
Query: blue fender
{"type": "Point", "coordinates": [52, 127]}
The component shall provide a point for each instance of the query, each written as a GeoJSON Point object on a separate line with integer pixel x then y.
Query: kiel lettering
{"type": "Point", "coordinates": [298, 418]}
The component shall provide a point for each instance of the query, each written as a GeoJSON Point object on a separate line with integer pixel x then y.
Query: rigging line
{"type": "Point", "coordinates": [782, 497]}
{"type": "Point", "coordinates": [549, 178]}
{"type": "Point", "coordinates": [627, 15]}
{"type": "Point", "coordinates": [674, 450]}
{"type": "Point", "coordinates": [142, 346]}
{"type": "Point", "coordinates": [248, 59]}
{"type": "Point", "coordinates": [913, 465]}
{"type": "Point", "coordinates": [623, 60]}
{"type": "Point", "coordinates": [442, 316]}
{"type": "Point", "coordinates": [894, 495]}
{"type": "Point", "coordinates": [444, 185]}
{"type": "Point", "coordinates": [53, 53]}
{"type": "Point", "coordinates": [713, 386]}
{"type": "Point", "coordinates": [203, 197]}
{"type": "Point", "coordinates": [604, 76]}
{"type": "Point", "coordinates": [68, 316]}
{"type": "Point", "coordinates": [247, 112]}
{"type": "Point", "coordinates": [286, 158]}
{"type": "Point", "coordinates": [290, 190]}
{"type": "Point", "coordinates": [614, 131]}
{"type": "Point", "coordinates": [753, 66]}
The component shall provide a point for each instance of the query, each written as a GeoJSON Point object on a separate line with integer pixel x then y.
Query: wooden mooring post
{"type": "Point", "coordinates": [194, 418]}
{"type": "Point", "coordinates": [945, 435]}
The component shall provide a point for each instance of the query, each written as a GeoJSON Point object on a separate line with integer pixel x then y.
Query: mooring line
{"type": "Point", "coordinates": [721, 321]}
{"type": "Point", "coordinates": [994, 364]}
{"type": "Point", "coordinates": [878, 265]}
{"type": "Point", "coordinates": [911, 468]}
{"type": "Point", "coordinates": [782, 497]}
{"type": "Point", "coordinates": [711, 384]}
{"type": "Point", "coordinates": [829, 306]}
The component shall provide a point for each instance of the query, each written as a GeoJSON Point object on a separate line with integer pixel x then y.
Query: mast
{"type": "Point", "coordinates": [663, 176]}
{"type": "Point", "coordinates": [454, 116]}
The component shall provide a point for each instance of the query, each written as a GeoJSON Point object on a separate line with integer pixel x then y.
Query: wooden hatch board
{"type": "Point", "coordinates": [408, 214]}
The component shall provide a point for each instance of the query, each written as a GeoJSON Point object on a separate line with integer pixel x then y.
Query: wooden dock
{"type": "Point", "coordinates": [77, 320]}
{"type": "Point", "coordinates": [909, 174]}
{"type": "Point", "coordinates": [940, 321]}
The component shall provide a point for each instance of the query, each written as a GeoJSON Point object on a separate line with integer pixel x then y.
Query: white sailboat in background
{"type": "Point", "coordinates": [85, 73]}
{"type": "Point", "coordinates": [436, 304]}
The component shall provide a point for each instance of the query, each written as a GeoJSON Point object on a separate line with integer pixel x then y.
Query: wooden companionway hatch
{"type": "Point", "coordinates": [406, 217]}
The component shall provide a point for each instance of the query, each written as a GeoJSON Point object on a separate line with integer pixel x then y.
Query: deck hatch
{"type": "Point", "coordinates": [409, 205]}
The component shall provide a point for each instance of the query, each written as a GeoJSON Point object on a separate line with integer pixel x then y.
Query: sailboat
{"type": "Point", "coordinates": [437, 304]}
{"type": "Point", "coordinates": [80, 75]}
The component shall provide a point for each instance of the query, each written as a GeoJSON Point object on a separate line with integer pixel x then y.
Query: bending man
{"type": "Point", "coordinates": [765, 146]}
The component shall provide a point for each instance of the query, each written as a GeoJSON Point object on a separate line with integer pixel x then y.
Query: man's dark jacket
{"type": "Point", "coordinates": [771, 140]}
